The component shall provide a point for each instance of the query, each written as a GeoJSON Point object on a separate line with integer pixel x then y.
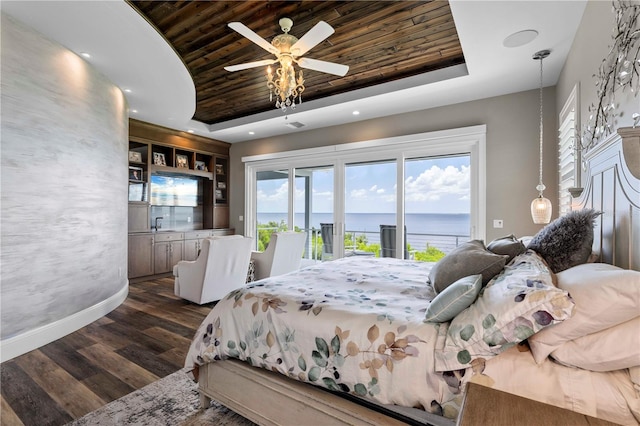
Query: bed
{"type": "Point", "coordinates": [365, 340]}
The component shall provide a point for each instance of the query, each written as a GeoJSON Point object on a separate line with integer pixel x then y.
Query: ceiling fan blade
{"type": "Point", "coordinates": [247, 32]}
{"type": "Point", "coordinates": [313, 37]}
{"type": "Point", "coordinates": [323, 66]}
{"type": "Point", "coordinates": [240, 67]}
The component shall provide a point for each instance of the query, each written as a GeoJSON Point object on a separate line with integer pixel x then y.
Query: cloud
{"type": "Point", "coordinates": [359, 193]}
{"type": "Point", "coordinates": [434, 183]}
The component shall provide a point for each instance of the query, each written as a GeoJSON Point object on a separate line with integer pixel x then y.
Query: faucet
{"type": "Point", "coordinates": [158, 223]}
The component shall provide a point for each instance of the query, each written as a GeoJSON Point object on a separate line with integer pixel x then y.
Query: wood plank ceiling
{"type": "Point", "coordinates": [380, 41]}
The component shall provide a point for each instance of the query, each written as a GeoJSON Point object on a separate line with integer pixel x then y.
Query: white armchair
{"type": "Point", "coordinates": [282, 255]}
{"type": "Point", "coordinates": [220, 268]}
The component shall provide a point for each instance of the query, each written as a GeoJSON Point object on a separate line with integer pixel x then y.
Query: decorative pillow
{"type": "Point", "coordinates": [469, 258]}
{"type": "Point", "coordinates": [514, 305]}
{"type": "Point", "coordinates": [612, 349]}
{"type": "Point", "coordinates": [454, 299]}
{"type": "Point", "coordinates": [566, 241]}
{"type": "Point", "coordinates": [605, 296]}
{"type": "Point", "coordinates": [508, 245]}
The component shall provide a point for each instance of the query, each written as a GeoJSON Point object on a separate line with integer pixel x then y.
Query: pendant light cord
{"type": "Point", "coordinates": [541, 185]}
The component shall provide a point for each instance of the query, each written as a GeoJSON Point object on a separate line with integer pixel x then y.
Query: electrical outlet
{"type": "Point", "coordinates": [497, 223]}
{"type": "Point", "coordinates": [240, 218]}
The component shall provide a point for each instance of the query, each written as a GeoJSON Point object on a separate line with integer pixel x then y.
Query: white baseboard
{"type": "Point", "coordinates": [33, 339]}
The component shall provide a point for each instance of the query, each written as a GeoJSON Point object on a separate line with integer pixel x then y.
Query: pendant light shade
{"type": "Point", "coordinates": [541, 210]}
{"type": "Point", "coordinates": [541, 207]}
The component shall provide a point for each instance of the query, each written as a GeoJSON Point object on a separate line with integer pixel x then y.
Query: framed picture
{"type": "Point", "coordinates": [219, 169]}
{"type": "Point", "coordinates": [222, 185]}
{"type": "Point", "coordinates": [200, 165]}
{"type": "Point", "coordinates": [136, 192]}
{"type": "Point", "coordinates": [182, 161]}
{"type": "Point", "coordinates": [136, 157]}
{"type": "Point", "coordinates": [219, 194]}
{"type": "Point", "coordinates": [158, 159]}
{"type": "Point", "coordinates": [135, 174]}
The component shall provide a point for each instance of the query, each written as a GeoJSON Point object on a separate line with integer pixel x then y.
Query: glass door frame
{"type": "Point", "coordinates": [468, 140]}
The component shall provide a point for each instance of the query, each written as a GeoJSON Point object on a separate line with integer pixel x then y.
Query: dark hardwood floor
{"type": "Point", "coordinates": [144, 339]}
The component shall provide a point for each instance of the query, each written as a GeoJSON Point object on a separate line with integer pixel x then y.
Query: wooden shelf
{"type": "Point", "coordinates": [181, 171]}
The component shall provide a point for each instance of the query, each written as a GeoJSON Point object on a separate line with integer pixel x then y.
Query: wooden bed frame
{"type": "Point", "coordinates": [266, 398]}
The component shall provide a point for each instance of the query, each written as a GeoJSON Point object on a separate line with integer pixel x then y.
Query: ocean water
{"type": "Point", "coordinates": [445, 231]}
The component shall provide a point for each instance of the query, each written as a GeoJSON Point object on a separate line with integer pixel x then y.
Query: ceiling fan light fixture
{"type": "Point", "coordinates": [284, 84]}
{"type": "Point", "coordinates": [288, 51]}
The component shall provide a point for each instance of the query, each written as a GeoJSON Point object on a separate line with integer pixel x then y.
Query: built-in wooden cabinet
{"type": "Point", "coordinates": [155, 150]}
{"type": "Point", "coordinates": [167, 251]}
{"type": "Point", "coordinates": [155, 253]}
{"type": "Point", "coordinates": [141, 255]}
{"type": "Point", "coordinates": [167, 153]}
{"type": "Point", "coordinates": [193, 243]}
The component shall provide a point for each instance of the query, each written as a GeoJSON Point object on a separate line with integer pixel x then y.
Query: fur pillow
{"type": "Point", "coordinates": [566, 241]}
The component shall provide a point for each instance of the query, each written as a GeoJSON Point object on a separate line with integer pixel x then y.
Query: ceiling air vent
{"type": "Point", "coordinates": [294, 125]}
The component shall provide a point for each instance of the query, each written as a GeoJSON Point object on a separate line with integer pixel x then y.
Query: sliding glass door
{"type": "Point", "coordinates": [313, 208]}
{"type": "Point", "coordinates": [430, 186]}
{"type": "Point", "coordinates": [369, 206]}
{"type": "Point", "coordinates": [437, 205]}
{"type": "Point", "coordinates": [272, 204]}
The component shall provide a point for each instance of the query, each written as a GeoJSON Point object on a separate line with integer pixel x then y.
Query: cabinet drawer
{"type": "Point", "coordinates": [197, 235]}
{"type": "Point", "coordinates": [169, 236]}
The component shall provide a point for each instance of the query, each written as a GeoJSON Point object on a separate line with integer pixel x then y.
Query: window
{"type": "Point", "coordinates": [568, 154]}
{"type": "Point", "coordinates": [372, 172]}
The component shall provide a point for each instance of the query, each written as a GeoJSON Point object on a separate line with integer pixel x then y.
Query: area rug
{"type": "Point", "coordinates": [172, 400]}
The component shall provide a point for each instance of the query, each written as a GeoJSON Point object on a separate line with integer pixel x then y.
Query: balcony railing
{"type": "Point", "coordinates": [417, 241]}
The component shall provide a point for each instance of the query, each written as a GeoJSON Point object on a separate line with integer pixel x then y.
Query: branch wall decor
{"type": "Point", "coordinates": [618, 72]}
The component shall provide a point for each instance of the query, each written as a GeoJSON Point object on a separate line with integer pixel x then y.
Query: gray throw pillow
{"type": "Point", "coordinates": [508, 245]}
{"type": "Point", "coordinates": [454, 299]}
{"type": "Point", "coordinates": [469, 258]}
{"type": "Point", "coordinates": [567, 241]}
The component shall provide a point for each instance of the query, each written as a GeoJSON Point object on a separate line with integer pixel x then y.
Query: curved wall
{"type": "Point", "coordinates": [64, 191]}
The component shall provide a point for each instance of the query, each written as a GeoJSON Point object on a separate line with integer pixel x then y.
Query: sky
{"type": "Point", "coordinates": [433, 185]}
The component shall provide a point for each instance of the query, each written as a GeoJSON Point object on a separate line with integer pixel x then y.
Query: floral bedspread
{"type": "Point", "coordinates": [354, 325]}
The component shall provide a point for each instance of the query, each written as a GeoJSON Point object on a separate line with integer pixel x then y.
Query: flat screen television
{"type": "Point", "coordinates": [174, 191]}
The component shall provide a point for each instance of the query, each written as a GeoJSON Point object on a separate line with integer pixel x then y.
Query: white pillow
{"type": "Point", "coordinates": [634, 373]}
{"type": "Point", "coordinates": [612, 349]}
{"type": "Point", "coordinates": [605, 296]}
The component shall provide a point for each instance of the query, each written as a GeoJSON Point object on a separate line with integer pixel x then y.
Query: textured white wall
{"type": "Point", "coordinates": [64, 184]}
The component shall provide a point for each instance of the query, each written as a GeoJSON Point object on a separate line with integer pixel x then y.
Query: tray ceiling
{"type": "Point", "coordinates": [380, 41]}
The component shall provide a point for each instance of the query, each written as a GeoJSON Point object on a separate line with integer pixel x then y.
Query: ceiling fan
{"type": "Point", "coordinates": [288, 48]}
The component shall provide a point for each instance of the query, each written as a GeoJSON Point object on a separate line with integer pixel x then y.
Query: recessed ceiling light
{"type": "Point", "coordinates": [85, 55]}
{"type": "Point", "coordinates": [520, 38]}
{"type": "Point", "coordinates": [356, 113]}
{"type": "Point", "coordinates": [252, 133]}
{"type": "Point", "coordinates": [190, 131]}
{"type": "Point", "coordinates": [134, 111]}
{"type": "Point", "coordinates": [127, 90]}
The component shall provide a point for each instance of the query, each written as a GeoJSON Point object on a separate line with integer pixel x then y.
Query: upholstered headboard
{"type": "Point", "coordinates": [613, 186]}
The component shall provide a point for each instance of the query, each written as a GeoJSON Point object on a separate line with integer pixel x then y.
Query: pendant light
{"type": "Point", "coordinates": [541, 207]}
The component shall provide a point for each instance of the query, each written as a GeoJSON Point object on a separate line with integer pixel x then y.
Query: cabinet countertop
{"type": "Point", "coordinates": [191, 231]}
